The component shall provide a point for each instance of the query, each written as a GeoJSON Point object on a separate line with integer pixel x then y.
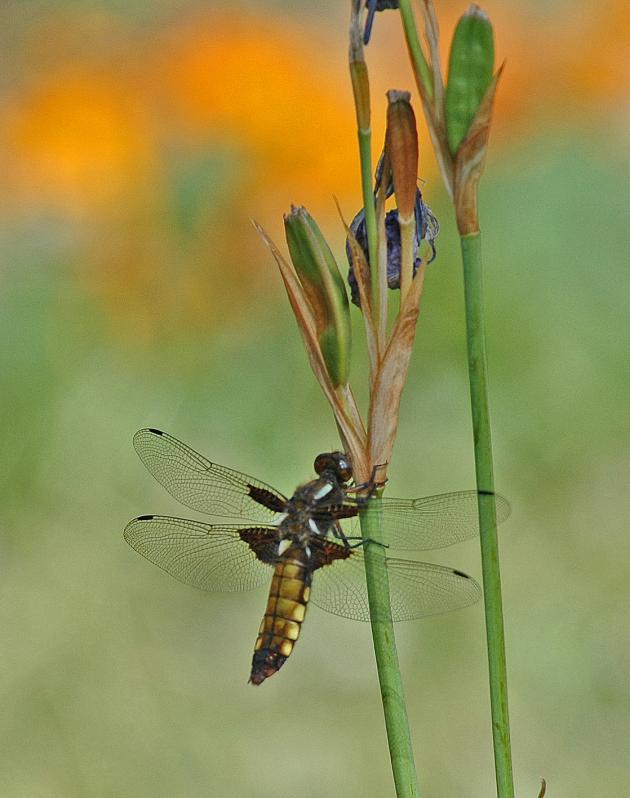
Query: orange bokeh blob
{"type": "Point", "coordinates": [267, 90]}
{"type": "Point", "coordinates": [79, 140]}
{"type": "Point", "coordinates": [95, 133]}
{"type": "Point", "coordinates": [84, 133]}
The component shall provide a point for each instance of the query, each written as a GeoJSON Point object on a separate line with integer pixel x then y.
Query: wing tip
{"type": "Point", "coordinates": [131, 529]}
{"type": "Point", "coordinates": [503, 508]}
{"type": "Point", "coordinates": [148, 430]}
{"type": "Point", "coordinates": [142, 437]}
{"type": "Point", "coordinates": [506, 507]}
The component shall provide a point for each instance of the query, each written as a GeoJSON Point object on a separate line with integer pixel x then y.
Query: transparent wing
{"type": "Point", "coordinates": [416, 589]}
{"type": "Point", "coordinates": [431, 522]}
{"type": "Point", "coordinates": [222, 558]}
{"type": "Point", "coordinates": [205, 486]}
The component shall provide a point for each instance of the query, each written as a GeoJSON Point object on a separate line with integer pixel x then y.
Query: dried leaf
{"type": "Point", "coordinates": [356, 446]}
{"type": "Point", "coordinates": [432, 34]}
{"type": "Point", "coordinates": [392, 375]}
{"type": "Point", "coordinates": [381, 196]}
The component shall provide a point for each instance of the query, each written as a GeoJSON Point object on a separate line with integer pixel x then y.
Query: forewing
{"type": "Point", "coordinates": [431, 522]}
{"type": "Point", "coordinates": [218, 558]}
{"type": "Point", "coordinates": [417, 589]}
{"type": "Point", "coordinates": [206, 487]}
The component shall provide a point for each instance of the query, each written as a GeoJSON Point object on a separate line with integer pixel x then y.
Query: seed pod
{"type": "Point", "coordinates": [470, 69]}
{"type": "Point", "coordinates": [325, 291]}
{"type": "Point", "coordinates": [402, 150]}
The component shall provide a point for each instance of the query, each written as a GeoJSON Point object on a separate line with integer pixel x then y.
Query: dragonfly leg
{"type": "Point", "coordinates": [340, 535]}
{"type": "Point", "coordinates": [363, 541]}
{"type": "Point", "coordinates": [345, 539]}
{"type": "Point", "coordinates": [372, 484]}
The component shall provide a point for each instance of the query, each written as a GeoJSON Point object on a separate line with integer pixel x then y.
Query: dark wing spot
{"type": "Point", "coordinates": [263, 542]}
{"type": "Point", "coordinates": [266, 498]}
{"type": "Point", "coordinates": [460, 573]}
{"type": "Point", "coordinates": [325, 552]}
{"type": "Point", "coordinates": [144, 517]}
{"type": "Point", "coordinates": [155, 431]}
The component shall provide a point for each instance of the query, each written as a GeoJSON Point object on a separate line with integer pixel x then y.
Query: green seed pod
{"type": "Point", "coordinates": [470, 69]}
{"type": "Point", "coordinates": [325, 291]}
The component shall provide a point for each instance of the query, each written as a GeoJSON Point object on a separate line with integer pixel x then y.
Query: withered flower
{"type": "Point", "coordinates": [372, 7]}
{"type": "Point", "coordinates": [427, 229]}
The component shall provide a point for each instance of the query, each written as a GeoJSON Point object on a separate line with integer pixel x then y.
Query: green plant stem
{"type": "Point", "coordinates": [413, 42]}
{"type": "Point", "coordinates": [389, 677]}
{"type": "Point", "coordinates": [365, 154]}
{"type": "Point", "coordinates": [428, 83]}
{"type": "Point", "coordinates": [475, 335]}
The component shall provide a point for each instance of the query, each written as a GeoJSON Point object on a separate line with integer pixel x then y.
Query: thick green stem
{"type": "Point", "coordinates": [389, 677]}
{"type": "Point", "coordinates": [471, 256]}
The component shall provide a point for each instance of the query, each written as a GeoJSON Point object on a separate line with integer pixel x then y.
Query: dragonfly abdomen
{"type": "Point", "coordinates": [286, 608]}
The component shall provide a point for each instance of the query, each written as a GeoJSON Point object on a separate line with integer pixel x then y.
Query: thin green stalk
{"type": "Point", "coordinates": [361, 95]}
{"type": "Point", "coordinates": [389, 677]}
{"type": "Point", "coordinates": [475, 335]}
{"type": "Point", "coordinates": [365, 154]}
{"type": "Point", "coordinates": [432, 103]}
{"type": "Point", "coordinates": [419, 61]}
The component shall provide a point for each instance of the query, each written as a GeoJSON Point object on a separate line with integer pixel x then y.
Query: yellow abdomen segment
{"type": "Point", "coordinates": [286, 608]}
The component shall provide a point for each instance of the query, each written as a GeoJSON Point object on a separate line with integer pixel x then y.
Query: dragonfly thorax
{"type": "Point", "coordinates": [306, 510]}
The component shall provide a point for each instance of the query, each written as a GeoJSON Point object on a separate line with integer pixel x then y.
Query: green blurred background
{"type": "Point", "coordinates": [138, 140]}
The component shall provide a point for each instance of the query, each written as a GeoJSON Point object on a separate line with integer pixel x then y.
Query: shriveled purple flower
{"type": "Point", "coordinates": [372, 7]}
{"type": "Point", "coordinates": [427, 229]}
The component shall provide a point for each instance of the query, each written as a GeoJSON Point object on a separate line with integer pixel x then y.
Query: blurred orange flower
{"type": "Point", "coordinates": [275, 93]}
{"type": "Point", "coordinates": [131, 138]}
{"type": "Point", "coordinates": [268, 90]}
{"type": "Point", "coordinates": [79, 140]}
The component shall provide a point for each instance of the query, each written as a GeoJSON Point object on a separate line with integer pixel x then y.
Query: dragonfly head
{"type": "Point", "coordinates": [337, 462]}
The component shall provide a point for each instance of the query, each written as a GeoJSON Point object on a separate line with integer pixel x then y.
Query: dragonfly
{"type": "Point", "coordinates": [307, 542]}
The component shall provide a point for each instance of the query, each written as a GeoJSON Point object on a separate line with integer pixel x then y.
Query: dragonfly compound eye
{"type": "Point", "coordinates": [342, 466]}
{"type": "Point", "coordinates": [324, 462]}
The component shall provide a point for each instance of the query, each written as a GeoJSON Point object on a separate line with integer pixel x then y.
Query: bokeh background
{"type": "Point", "coordinates": [138, 140]}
